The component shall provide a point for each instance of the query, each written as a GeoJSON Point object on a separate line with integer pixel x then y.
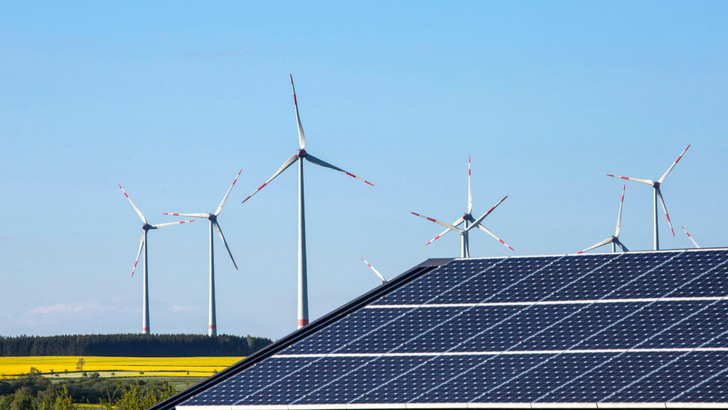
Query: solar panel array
{"type": "Point", "coordinates": [648, 327]}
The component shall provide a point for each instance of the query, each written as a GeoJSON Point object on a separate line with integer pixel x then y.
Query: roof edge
{"type": "Point", "coordinates": [442, 406]}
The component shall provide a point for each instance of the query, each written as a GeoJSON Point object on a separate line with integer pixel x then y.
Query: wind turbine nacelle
{"type": "Point", "coordinates": [301, 153]}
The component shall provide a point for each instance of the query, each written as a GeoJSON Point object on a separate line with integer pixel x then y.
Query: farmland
{"type": "Point", "coordinates": [75, 366]}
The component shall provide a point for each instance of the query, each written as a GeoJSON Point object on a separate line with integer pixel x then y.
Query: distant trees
{"type": "Point", "coordinates": [33, 392]}
{"type": "Point", "coordinates": [131, 345]}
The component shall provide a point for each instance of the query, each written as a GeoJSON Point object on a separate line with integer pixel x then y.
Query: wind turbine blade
{"type": "Point", "coordinates": [219, 208]}
{"type": "Point", "coordinates": [484, 229]}
{"type": "Point", "coordinates": [662, 179]}
{"type": "Point", "coordinates": [644, 181]}
{"type": "Point", "coordinates": [283, 167]}
{"type": "Point", "coordinates": [219, 232]}
{"type": "Point", "coordinates": [689, 236]}
{"type": "Point", "coordinates": [445, 224]}
{"type": "Point", "coordinates": [141, 246]}
{"type": "Point", "coordinates": [602, 243]}
{"type": "Point", "coordinates": [456, 224]}
{"type": "Point", "coordinates": [301, 136]}
{"type": "Point", "coordinates": [192, 215]}
{"type": "Point", "coordinates": [132, 204]}
{"type": "Point", "coordinates": [477, 221]}
{"type": "Point", "coordinates": [375, 271]}
{"type": "Point", "coordinates": [619, 216]}
{"type": "Point", "coordinates": [664, 208]}
{"type": "Point", "coordinates": [621, 245]}
{"type": "Point", "coordinates": [325, 164]}
{"type": "Point", "coordinates": [470, 192]}
{"type": "Point", "coordinates": [170, 224]}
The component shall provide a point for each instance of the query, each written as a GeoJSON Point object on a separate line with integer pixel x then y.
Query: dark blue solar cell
{"type": "Point", "coordinates": [672, 275]}
{"type": "Point", "coordinates": [610, 276]}
{"type": "Point", "coordinates": [551, 279]}
{"type": "Point", "coordinates": [509, 334]}
{"type": "Point", "coordinates": [295, 386]}
{"type": "Point", "coordinates": [344, 331]}
{"type": "Point", "coordinates": [463, 324]}
{"type": "Point", "coordinates": [673, 379]}
{"type": "Point", "coordinates": [576, 327]}
{"type": "Point", "coordinates": [408, 325]}
{"type": "Point", "coordinates": [485, 285]}
{"type": "Point", "coordinates": [643, 322]}
{"type": "Point", "coordinates": [472, 383]}
{"type": "Point", "coordinates": [710, 389]}
{"type": "Point", "coordinates": [714, 283]}
{"type": "Point", "coordinates": [541, 379]}
{"type": "Point", "coordinates": [351, 387]}
{"type": "Point", "coordinates": [411, 384]}
{"type": "Point", "coordinates": [437, 281]}
{"type": "Point", "coordinates": [247, 382]}
{"type": "Point", "coordinates": [703, 328]}
{"type": "Point", "coordinates": [614, 372]}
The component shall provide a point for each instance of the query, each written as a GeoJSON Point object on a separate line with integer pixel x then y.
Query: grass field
{"type": "Point", "coordinates": [66, 366]}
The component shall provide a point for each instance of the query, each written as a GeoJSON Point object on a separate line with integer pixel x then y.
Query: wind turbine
{"type": "Point", "coordinates": [689, 236]}
{"type": "Point", "coordinates": [143, 244]}
{"type": "Point", "coordinates": [375, 271]}
{"type": "Point", "coordinates": [298, 156]}
{"type": "Point", "coordinates": [212, 325]}
{"type": "Point", "coordinates": [614, 240]}
{"type": "Point", "coordinates": [656, 194]}
{"type": "Point", "coordinates": [469, 221]}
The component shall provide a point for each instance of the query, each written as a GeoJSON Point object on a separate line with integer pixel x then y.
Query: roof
{"type": "Point", "coordinates": [590, 330]}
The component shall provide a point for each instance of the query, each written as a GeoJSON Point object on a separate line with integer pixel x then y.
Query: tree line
{"type": "Point", "coordinates": [171, 345]}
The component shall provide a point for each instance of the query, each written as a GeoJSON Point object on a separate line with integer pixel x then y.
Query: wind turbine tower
{"type": "Point", "coordinates": [299, 156]}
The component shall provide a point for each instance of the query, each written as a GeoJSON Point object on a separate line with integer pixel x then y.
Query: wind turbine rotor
{"type": "Point", "coordinates": [283, 167]}
{"type": "Point", "coordinates": [664, 176]}
{"type": "Point", "coordinates": [619, 215]}
{"type": "Point", "coordinates": [690, 236]}
{"type": "Point", "coordinates": [325, 164]}
{"type": "Point", "coordinates": [301, 135]}
{"type": "Point", "coordinates": [134, 206]}
{"type": "Point", "coordinates": [141, 246]}
{"type": "Point", "coordinates": [224, 199]}
{"type": "Point", "coordinates": [455, 224]}
{"type": "Point", "coordinates": [484, 229]}
{"type": "Point", "coordinates": [664, 208]}
{"type": "Point", "coordinates": [375, 271]}
{"type": "Point", "coordinates": [219, 232]}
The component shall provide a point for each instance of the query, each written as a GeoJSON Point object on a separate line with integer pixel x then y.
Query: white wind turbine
{"type": "Point", "coordinates": [298, 156]}
{"type": "Point", "coordinates": [212, 324]}
{"type": "Point", "coordinates": [143, 244]}
{"type": "Point", "coordinates": [656, 194]}
{"type": "Point", "coordinates": [614, 240]}
{"type": "Point", "coordinates": [469, 221]}
{"type": "Point", "coordinates": [375, 271]}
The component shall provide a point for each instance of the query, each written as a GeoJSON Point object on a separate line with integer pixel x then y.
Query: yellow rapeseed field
{"type": "Point", "coordinates": [121, 366]}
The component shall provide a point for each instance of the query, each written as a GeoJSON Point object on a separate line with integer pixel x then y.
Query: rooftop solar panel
{"type": "Point", "coordinates": [620, 329]}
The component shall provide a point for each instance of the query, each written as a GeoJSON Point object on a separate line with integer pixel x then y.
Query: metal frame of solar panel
{"type": "Point", "coordinates": [636, 329]}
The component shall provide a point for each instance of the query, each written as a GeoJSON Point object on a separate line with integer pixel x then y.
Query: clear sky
{"type": "Point", "coordinates": [171, 99]}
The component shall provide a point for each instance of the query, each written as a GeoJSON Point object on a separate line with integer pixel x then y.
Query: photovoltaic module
{"type": "Point", "coordinates": [600, 330]}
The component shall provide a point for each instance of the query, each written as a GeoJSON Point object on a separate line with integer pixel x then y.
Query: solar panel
{"type": "Point", "coordinates": [620, 329]}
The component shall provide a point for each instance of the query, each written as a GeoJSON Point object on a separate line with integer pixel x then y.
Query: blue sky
{"type": "Point", "coordinates": [172, 99]}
